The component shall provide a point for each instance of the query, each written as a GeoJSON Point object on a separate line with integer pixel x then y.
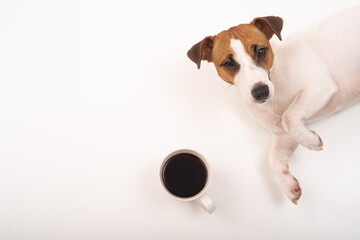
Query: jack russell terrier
{"type": "Point", "coordinates": [285, 85]}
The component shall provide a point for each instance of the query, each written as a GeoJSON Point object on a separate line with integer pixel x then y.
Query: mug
{"type": "Point", "coordinates": [186, 175]}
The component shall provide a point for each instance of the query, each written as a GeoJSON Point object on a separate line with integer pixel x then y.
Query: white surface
{"type": "Point", "coordinates": [93, 96]}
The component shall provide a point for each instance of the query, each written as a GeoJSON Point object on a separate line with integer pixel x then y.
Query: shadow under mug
{"type": "Point", "coordinates": [186, 175]}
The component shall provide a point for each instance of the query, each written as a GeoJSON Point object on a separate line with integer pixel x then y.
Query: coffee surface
{"type": "Point", "coordinates": [184, 175]}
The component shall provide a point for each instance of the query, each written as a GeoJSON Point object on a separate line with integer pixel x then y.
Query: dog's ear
{"type": "Point", "coordinates": [269, 25]}
{"type": "Point", "coordinates": [201, 51]}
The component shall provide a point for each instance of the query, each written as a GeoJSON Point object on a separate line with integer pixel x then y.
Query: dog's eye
{"type": "Point", "coordinates": [261, 53]}
{"type": "Point", "coordinates": [230, 64]}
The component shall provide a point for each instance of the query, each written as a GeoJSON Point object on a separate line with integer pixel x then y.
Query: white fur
{"type": "Point", "coordinates": [315, 73]}
{"type": "Point", "coordinates": [249, 74]}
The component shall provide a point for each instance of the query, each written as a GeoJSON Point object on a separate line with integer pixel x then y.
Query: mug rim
{"type": "Point", "coordinates": [208, 179]}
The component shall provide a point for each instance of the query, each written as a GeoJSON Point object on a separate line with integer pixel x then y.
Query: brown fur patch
{"type": "Point", "coordinates": [249, 35]}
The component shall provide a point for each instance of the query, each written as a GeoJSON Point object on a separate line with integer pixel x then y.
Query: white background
{"type": "Point", "coordinates": [93, 96]}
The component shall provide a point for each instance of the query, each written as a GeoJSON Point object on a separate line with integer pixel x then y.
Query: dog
{"type": "Point", "coordinates": [286, 84]}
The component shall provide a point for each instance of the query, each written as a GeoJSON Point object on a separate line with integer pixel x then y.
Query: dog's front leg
{"type": "Point", "coordinates": [282, 148]}
{"type": "Point", "coordinates": [307, 103]}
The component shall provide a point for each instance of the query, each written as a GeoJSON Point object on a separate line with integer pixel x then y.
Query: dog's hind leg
{"type": "Point", "coordinates": [282, 148]}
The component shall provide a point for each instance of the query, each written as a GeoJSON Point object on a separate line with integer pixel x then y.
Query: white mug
{"type": "Point", "coordinates": [201, 196]}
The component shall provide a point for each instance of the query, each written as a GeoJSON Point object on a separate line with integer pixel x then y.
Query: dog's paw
{"type": "Point", "coordinates": [311, 140]}
{"type": "Point", "coordinates": [294, 191]}
{"type": "Point", "coordinates": [291, 187]}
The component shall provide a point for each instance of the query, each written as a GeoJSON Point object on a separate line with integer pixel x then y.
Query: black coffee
{"type": "Point", "coordinates": [184, 175]}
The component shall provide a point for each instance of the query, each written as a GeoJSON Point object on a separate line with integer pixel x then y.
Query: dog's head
{"type": "Point", "coordinates": [242, 56]}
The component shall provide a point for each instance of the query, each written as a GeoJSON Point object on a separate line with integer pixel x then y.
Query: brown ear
{"type": "Point", "coordinates": [201, 51]}
{"type": "Point", "coordinates": [269, 25]}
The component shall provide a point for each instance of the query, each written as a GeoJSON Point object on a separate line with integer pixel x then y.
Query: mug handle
{"type": "Point", "coordinates": [207, 203]}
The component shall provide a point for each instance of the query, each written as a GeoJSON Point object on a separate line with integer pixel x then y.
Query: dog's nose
{"type": "Point", "coordinates": [261, 92]}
